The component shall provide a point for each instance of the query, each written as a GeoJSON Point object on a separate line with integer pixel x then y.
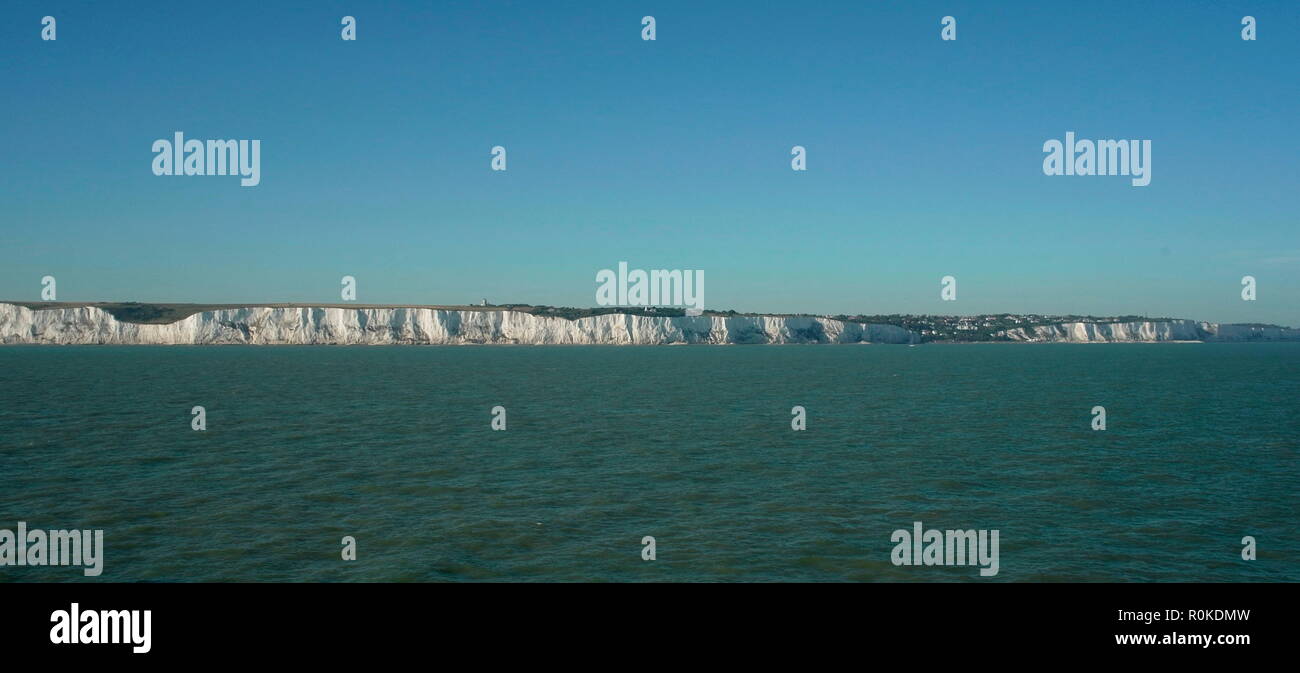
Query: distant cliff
{"type": "Point", "coordinates": [423, 325]}
{"type": "Point", "coordinates": [378, 326]}
{"type": "Point", "coordinates": [1165, 330]}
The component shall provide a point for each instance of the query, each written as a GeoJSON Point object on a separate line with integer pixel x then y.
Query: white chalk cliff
{"type": "Point", "coordinates": [1164, 330]}
{"type": "Point", "coordinates": [377, 326]}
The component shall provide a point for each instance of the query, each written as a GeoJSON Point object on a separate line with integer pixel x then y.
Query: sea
{"type": "Point", "coordinates": [603, 447]}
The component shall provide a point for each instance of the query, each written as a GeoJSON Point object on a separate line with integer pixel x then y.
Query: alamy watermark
{"type": "Point", "coordinates": [498, 418]}
{"type": "Point", "coordinates": [1102, 157]}
{"type": "Point", "coordinates": [199, 422]}
{"type": "Point", "coordinates": [946, 548]}
{"type": "Point", "coordinates": [213, 157]}
{"type": "Point", "coordinates": [657, 287]}
{"type": "Point", "coordinates": [75, 626]}
{"type": "Point", "coordinates": [53, 548]}
{"type": "Point", "coordinates": [948, 288]}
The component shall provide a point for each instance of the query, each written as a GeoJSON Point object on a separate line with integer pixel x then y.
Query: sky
{"type": "Point", "coordinates": [924, 156]}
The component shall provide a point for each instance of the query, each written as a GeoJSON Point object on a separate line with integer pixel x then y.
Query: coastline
{"type": "Point", "coordinates": [335, 324]}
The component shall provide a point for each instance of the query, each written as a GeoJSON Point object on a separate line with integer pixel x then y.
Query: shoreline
{"type": "Point", "coordinates": [368, 324]}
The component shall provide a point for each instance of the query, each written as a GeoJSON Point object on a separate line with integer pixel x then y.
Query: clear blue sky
{"type": "Point", "coordinates": [924, 156]}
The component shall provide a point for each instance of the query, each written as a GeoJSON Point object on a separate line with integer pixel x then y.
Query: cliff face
{"type": "Point", "coordinates": [378, 326]}
{"type": "Point", "coordinates": [1168, 330]}
{"type": "Point", "coordinates": [264, 325]}
{"type": "Point", "coordinates": [1217, 332]}
{"type": "Point", "coordinates": [1087, 332]}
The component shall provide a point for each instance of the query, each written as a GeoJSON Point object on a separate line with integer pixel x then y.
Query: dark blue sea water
{"type": "Point", "coordinates": [691, 445]}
